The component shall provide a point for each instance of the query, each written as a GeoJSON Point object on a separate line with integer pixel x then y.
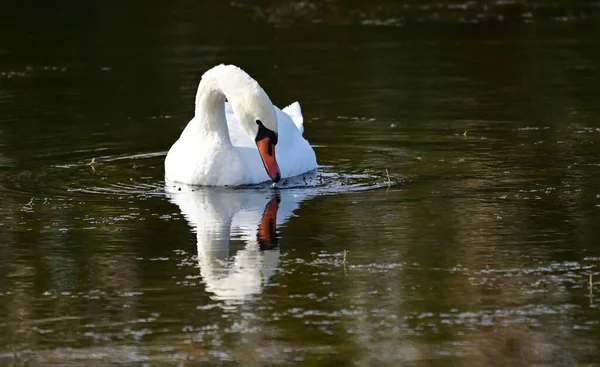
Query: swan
{"type": "Point", "coordinates": [218, 215]}
{"type": "Point", "coordinates": [232, 138]}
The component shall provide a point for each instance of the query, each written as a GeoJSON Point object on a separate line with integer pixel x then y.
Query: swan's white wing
{"type": "Point", "coordinates": [291, 113]}
{"type": "Point", "coordinates": [294, 153]}
{"type": "Point", "coordinates": [239, 138]}
{"type": "Point", "coordinates": [295, 112]}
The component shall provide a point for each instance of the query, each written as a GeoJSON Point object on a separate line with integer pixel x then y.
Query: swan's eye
{"type": "Point", "coordinates": [264, 132]}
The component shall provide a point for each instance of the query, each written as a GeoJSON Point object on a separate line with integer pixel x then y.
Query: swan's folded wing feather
{"type": "Point", "coordinates": [295, 112]}
{"type": "Point", "coordinates": [238, 136]}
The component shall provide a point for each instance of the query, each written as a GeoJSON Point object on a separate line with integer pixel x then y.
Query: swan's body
{"type": "Point", "coordinates": [223, 144]}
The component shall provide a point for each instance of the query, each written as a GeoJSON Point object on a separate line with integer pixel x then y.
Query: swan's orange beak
{"type": "Point", "coordinates": [266, 148]}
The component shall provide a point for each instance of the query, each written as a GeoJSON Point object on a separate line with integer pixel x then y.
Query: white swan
{"type": "Point", "coordinates": [233, 143]}
{"type": "Point", "coordinates": [217, 215]}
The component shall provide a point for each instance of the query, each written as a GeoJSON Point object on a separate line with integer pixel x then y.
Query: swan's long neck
{"type": "Point", "coordinates": [245, 95]}
{"type": "Point", "coordinates": [210, 110]}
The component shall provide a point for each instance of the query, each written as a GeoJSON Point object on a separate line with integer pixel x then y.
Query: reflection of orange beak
{"type": "Point", "coordinates": [267, 229]}
{"type": "Point", "coordinates": [267, 153]}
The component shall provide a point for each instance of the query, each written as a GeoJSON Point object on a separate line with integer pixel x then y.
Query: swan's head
{"type": "Point", "coordinates": [264, 132]}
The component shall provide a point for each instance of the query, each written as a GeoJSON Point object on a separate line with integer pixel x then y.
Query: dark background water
{"type": "Point", "coordinates": [483, 251]}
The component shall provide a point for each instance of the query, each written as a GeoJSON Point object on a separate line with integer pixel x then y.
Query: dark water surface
{"type": "Point", "coordinates": [484, 249]}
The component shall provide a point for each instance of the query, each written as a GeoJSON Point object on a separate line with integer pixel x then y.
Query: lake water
{"type": "Point", "coordinates": [454, 219]}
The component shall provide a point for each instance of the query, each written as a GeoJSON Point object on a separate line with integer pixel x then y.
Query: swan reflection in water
{"type": "Point", "coordinates": [218, 215]}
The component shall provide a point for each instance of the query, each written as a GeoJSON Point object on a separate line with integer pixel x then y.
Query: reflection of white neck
{"type": "Point", "coordinates": [219, 214]}
{"type": "Point", "coordinates": [239, 277]}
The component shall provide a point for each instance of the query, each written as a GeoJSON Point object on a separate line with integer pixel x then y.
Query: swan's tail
{"type": "Point", "coordinates": [295, 112]}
